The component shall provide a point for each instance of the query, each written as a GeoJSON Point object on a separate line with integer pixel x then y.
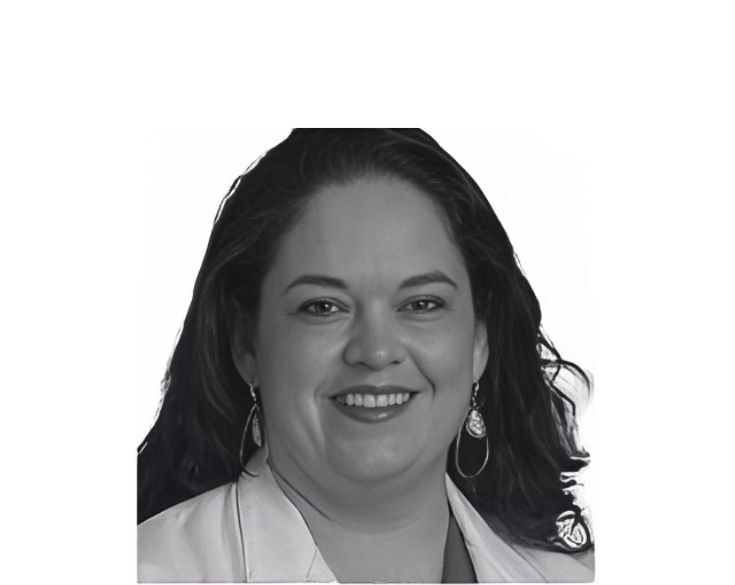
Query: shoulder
{"type": "Point", "coordinates": [498, 556]}
{"type": "Point", "coordinates": [552, 566]}
{"type": "Point", "coordinates": [196, 540]}
{"type": "Point", "coordinates": [557, 566]}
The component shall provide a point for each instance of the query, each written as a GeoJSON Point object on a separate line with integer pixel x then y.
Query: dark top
{"type": "Point", "coordinates": [457, 564]}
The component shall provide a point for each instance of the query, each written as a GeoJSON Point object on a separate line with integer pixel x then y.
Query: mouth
{"type": "Point", "coordinates": [372, 403]}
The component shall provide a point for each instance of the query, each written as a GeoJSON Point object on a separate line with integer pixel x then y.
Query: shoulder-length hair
{"type": "Point", "coordinates": [194, 444]}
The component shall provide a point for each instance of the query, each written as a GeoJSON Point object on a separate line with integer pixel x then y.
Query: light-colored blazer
{"type": "Point", "coordinates": [249, 531]}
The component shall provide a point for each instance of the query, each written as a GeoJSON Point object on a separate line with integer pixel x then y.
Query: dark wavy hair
{"type": "Point", "coordinates": [194, 444]}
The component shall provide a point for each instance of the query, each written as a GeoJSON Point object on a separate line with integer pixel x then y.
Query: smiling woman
{"type": "Point", "coordinates": [360, 301]}
{"type": "Point", "coordinates": [361, 390]}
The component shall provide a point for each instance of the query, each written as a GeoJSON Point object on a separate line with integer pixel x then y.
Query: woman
{"type": "Point", "coordinates": [361, 390]}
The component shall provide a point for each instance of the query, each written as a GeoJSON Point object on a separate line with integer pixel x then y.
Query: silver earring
{"type": "Point", "coordinates": [474, 424]}
{"type": "Point", "coordinates": [252, 423]}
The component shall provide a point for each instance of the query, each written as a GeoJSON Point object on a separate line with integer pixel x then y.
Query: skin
{"type": "Point", "coordinates": [350, 479]}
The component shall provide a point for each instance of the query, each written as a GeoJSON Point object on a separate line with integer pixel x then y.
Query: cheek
{"type": "Point", "coordinates": [292, 368]}
{"type": "Point", "coordinates": [445, 352]}
{"type": "Point", "coordinates": [294, 353]}
{"type": "Point", "coordinates": [445, 360]}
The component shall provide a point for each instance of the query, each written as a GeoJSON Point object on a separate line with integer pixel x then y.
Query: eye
{"type": "Point", "coordinates": [320, 308]}
{"type": "Point", "coordinates": [423, 305]}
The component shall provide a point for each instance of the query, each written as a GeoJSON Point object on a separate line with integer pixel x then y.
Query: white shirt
{"type": "Point", "coordinates": [249, 531]}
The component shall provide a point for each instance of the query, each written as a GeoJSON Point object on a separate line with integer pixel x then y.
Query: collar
{"type": "Point", "coordinates": [276, 531]}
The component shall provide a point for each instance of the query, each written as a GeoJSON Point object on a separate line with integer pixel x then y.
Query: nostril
{"type": "Point", "coordinates": [373, 340]}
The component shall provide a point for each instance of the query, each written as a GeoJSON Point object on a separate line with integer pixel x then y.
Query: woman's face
{"type": "Point", "coordinates": [366, 343]}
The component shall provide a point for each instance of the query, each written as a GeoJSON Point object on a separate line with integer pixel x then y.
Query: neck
{"type": "Point", "coordinates": [367, 507]}
{"type": "Point", "coordinates": [391, 532]}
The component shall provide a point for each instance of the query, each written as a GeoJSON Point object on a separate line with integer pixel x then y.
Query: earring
{"type": "Point", "coordinates": [474, 424]}
{"type": "Point", "coordinates": [253, 423]}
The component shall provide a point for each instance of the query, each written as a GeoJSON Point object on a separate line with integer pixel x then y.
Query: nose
{"type": "Point", "coordinates": [373, 343]}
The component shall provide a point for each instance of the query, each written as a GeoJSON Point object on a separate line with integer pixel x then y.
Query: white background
{"type": "Point", "coordinates": [601, 132]}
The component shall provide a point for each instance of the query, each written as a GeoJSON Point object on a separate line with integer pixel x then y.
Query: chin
{"type": "Point", "coordinates": [370, 465]}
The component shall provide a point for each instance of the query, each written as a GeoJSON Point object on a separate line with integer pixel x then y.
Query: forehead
{"type": "Point", "coordinates": [370, 228]}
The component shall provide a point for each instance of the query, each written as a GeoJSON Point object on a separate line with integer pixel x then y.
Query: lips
{"type": "Point", "coordinates": [373, 403]}
{"type": "Point", "coordinates": [368, 400]}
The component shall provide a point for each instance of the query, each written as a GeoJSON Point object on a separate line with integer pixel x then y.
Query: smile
{"type": "Point", "coordinates": [373, 400]}
{"type": "Point", "coordinates": [372, 404]}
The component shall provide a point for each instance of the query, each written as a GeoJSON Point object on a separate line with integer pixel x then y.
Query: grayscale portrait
{"type": "Point", "coordinates": [362, 390]}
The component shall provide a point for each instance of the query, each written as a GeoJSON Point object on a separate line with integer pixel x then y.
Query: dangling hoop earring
{"type": "Point", "coordinates": [474, 424]}
{"type": "Point", "coordinates": [252, 423]}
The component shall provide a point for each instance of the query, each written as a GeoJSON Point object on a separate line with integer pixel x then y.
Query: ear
{"type": "Point", "coordinates": [480, 353]}
{"type": "Point", "coordinates": [243, 354]}
{"type": "Point", "coordinates": [245, 363]}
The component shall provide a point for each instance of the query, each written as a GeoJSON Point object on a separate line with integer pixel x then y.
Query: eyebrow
{"type": "Point", "coordinates": [318, 280]}
{"type": "Point", "coordinates": [332, 282]}
{"type": "Point", "coordinates": [428, 278]}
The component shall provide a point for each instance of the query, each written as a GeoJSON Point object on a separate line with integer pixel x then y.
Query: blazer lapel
{"type": "Point", "coordinates": [277, 544]}
{"type": "Point", "coordinates": [494, 560]}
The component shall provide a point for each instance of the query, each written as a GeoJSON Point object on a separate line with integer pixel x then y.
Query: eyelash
{"type": "Point", "coordinates": [305, 308]}
{"type": "Point", "coordinates": [308, 307]}
{"type": "Point", "coordinates": [438, 304]}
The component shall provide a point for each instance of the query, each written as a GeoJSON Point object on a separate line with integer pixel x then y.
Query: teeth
{"type": "Point", "coordinates": [373, 400]}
